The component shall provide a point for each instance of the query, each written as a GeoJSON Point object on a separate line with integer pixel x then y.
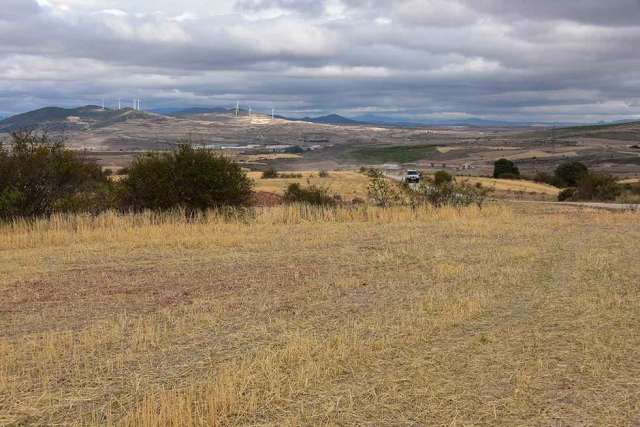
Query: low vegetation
{"type": "Point", "coordinates": [39, 176]}
{"type": "Point", "coordinates": [350, 185]}
{"type": "Point", "coordinates": [187, 178]}
{"type": "Point", "coordinates": [440, 191]}
{"type": "Point", "coordinates": [522, 315]}
{"type": "Point", "coordinates": [581, 184]}
{"type": "Point", "coordinates": [390, 154]}
{"type": "Point", "coordinates": [312, 195]}
{"type": "Point", "coordinates": [270, 173]}
{"type": "Point", "coordinates": [505, 169]}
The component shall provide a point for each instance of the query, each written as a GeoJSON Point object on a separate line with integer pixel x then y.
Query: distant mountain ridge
{"type": "Point", "coordinates": [57, 118]}
{"type": "Point", "coordinates": [330, 119]}
{"type": "Point", "coordinates": [93, 116]}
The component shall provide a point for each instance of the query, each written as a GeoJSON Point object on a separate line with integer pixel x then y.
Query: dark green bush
{"type": "Point", "coordinates": [442, 177]}
{"type": "Point", "coordinates": [504, 168]}
{"type": "Point", "coordinates": [566, 194]}
{"type": "Point", "coordinates": [547, 178]}
{"type": "Point", "coordinates": [270, 173]}
{"type": "Point", "coordinates": [593, 187]}
{"type": "Point", "coordinates": [312, 195]}
{"type": "Point", "coordinates": [194, 179]}
{"type": "Point", "coordinates": [569, 173]}
{"type": "Point", "coordinates": [596, 186]}
{"type": "Point", "coordinates": [323, 174]}
{"type": "Point", "coordinates": [40, 176]}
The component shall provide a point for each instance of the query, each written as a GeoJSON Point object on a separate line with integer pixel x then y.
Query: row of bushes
{"type": "Point", "coordinates": [439, 191]}
{"type": "Point", "coordinates": [575, 179]}
{"type": "Point", "coordinates": [40, 176]}
{"type": "Point", "coordinates": [581, 184]}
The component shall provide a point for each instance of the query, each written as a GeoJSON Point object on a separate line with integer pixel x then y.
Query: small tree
{"type": "Point", "coordinates": [381, 191]}
{"type": "Point", "coordinates": [442, 177]}
{"type": "Point", "coordinates": [505, 169]}
{"type": "Point", "coordinates": [189, 178]}
{"type": "Point", "coordinates": [595, 186]}
{"type": "Point", "coordinates": [40, 176]}
{"type": "Point", "coordinates": [270, 173]}
{"type": "Point", "coordinates": [569, 173]}
{"type": "Point", "coordinates": [313, 195]}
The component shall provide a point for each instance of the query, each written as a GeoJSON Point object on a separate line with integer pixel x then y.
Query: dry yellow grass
{"type": "Point", "coordinates": [300, 316]}
{"type": "Point", "coordinates": [347, 184]}
{"type": "Point", "coordinates": [513, 185]}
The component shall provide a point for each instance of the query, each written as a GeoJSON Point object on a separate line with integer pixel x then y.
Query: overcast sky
{"type": "Point", "coordinates": [544, 60]}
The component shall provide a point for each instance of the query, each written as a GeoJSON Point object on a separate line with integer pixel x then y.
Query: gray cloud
{"type": "Point", "coordinates": [510, 59]}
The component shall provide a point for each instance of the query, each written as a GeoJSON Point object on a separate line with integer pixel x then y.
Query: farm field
{"type": "Point", "coordinates": [512, 315]}
{"type": "Point", "coordinates": [352, 184]}
{"type": "Point", "coordinates": [348, 184]}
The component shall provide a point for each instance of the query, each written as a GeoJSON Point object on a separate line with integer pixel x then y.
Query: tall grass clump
{"type": "Point", "coordinates": [312, 194]}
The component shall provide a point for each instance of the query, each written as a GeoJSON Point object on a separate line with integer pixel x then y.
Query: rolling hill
{"type": "Point", "coordinates": [60, 119]}
{"type": "Point", "coordinates": [628, 131]}
{"type": "Point", "coordinates": [330, 119]}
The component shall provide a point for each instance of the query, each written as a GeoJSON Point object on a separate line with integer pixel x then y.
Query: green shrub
{"type": "Point", "coordinates": [40, 176]}
{"type": "Point", "coordinates": [270, 173]}
{"type": "Point", "coordinates": [312, 195]}
{"type": "Point", "coordinates": [382, 192]}
{"type": "Point", "coordinates": [456, 194]}
{"type": "Point", "coordinates": [504, 168]}
{"type": "Point", "coordinates": [566, 194]}
{"type": "Point", "coordinates": [442, 177]}
{"type": "Point", "coordinates": [595, 186]}
{"type": "Point", "coordinates": [569, 173]}
{"type": "Point", "coordinates": [323, 174]}
{"type": "Point", "coordinates": [188, 178]}
{"type": "Point", "coordinates": [547, 178]}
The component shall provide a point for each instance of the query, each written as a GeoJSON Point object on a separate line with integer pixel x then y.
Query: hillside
{"type": "Point", "coordinates": [61, 119]}
{"type": "Point", "coordinates": [618, 131]}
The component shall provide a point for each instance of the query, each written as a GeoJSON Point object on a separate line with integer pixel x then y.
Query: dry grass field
{"type": "Point", "coordinates": [352, 184]}
{"type": "Point", "coordinates": [513, 185]}
{"type": "Point", "coordinates": [348, 184]}
{"type": "Point", "coordinates": [298, 316]}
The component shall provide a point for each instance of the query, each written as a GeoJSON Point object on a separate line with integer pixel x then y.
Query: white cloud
{"type": "Point", "coordinates": [411, 57]}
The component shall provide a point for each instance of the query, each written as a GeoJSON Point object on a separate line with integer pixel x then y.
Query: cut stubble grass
{"type": "Point", "coordinates": [299, 316]}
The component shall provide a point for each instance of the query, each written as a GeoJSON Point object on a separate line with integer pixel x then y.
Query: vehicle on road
{"type": "Point", "coordinates": [412, 177]}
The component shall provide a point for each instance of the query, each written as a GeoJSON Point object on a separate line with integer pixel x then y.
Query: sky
{"type": "Point", "coordinates": [520, 60]}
